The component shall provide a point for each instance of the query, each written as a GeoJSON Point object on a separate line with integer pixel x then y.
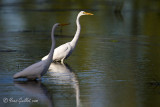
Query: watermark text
{"type": "Point", "coordinates": [19, 100]}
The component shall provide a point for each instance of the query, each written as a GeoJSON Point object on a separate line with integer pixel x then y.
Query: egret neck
{"type": "Point", "coordinates": [75, 39]}
{"type": "Point", "coordinates": [49, 59]}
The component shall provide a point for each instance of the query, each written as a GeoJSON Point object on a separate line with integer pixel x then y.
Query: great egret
{"type": "Point", "coordinates": [64, 51]}
{"type": "Point", "coordinates": [38, 69]}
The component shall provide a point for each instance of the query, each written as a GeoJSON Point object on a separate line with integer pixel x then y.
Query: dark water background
{"type": "Point", "coordinates": [116, 62]}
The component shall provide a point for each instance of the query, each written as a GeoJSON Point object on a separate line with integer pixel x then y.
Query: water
{"type": "Point", "coordinates": [115, 63]}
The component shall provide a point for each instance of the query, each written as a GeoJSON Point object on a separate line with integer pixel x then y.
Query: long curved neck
{"type": "Point", "coordinates": [53, 44]}
{"type": "Point", "coordinates": [75, 39]}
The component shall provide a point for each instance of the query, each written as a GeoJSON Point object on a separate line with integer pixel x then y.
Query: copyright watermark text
{"type": "Point", "coordinates": [19, 100]}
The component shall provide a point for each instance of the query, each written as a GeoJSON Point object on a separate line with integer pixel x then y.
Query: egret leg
{"type": "Point", "coordinates": [62, 61]}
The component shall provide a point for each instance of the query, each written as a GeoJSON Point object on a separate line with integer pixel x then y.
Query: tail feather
{"type": "Point", "coordinates": [17, 75]}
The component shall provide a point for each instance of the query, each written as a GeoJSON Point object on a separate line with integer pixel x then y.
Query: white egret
{"type": "Point", "coordinates": [38, 69]}
{"type": "Point", "coordinates": [64, 51]}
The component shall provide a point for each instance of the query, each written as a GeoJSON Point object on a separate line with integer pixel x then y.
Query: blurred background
{"type": "Point", "coordinates": [115, 63]}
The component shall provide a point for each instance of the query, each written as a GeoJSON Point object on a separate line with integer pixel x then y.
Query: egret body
{"type": "Point", "coordinates": [38, 69]}
{"type": "Point", "coordinates": [64, 51]}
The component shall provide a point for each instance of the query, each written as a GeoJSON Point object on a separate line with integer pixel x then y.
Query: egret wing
{"type": "Point", "coordinates": [61, 51]}
{"type": "Point", "coordinates": [33, 70]}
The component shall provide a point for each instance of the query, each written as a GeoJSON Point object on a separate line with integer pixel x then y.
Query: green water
{"type": "Point", "coordinates": [115, 63]}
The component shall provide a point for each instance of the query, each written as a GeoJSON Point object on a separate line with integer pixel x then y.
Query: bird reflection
{"type": "Point", "coordinates": [62, 74]}
{"type": "Point", "coordinates": [36, 89]}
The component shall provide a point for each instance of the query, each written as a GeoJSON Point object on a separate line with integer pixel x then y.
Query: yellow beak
{"type": "Point", "coordinates": [88, 13]}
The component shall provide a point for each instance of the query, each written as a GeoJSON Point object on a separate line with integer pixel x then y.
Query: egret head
{"type": "Point", "coordinates": [84, 13]}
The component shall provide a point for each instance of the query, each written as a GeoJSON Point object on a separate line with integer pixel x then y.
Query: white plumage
{"type": "Point", "coordinates": [64, 51]}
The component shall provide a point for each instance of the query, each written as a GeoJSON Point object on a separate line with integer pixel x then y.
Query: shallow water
{"type": "Point", "coordinates": [115, 63]}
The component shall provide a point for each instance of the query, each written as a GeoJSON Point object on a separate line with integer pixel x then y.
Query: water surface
{"type": "Point", "coordinates": [115, 63]}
